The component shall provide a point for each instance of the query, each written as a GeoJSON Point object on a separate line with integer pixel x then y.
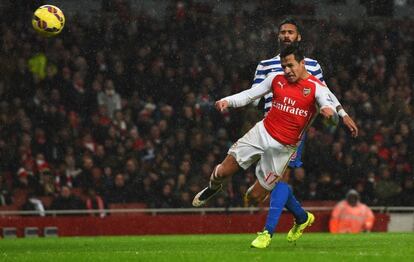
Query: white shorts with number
{"type": "Point", "coordinates": [272, 156]}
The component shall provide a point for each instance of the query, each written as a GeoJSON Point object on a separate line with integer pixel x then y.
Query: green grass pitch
{"type": "Point", "coordinates": [311, 247]}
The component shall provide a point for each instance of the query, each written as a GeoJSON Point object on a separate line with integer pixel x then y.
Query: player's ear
{"type": "Point", "coordinates": [299, 37]}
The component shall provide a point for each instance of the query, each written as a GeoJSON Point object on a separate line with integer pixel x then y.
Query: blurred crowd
{"type": "Point", "coordinates": [119, 108]}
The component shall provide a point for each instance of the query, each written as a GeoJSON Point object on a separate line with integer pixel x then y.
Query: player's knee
{"type": "Point", "coordinates": [227, 168]}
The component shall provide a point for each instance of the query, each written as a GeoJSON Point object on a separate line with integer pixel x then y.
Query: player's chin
{"type": "Point", "coordinates": [291, 79]}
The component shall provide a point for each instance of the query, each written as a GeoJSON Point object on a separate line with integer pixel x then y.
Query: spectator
{"type": "Point", "coordinates": [95, 202]}
{"type": "Point", "coordinates": [386, 189]}
{"type": "Point", "coordinates": [67, 201]}
{"type": "Point", "coordinates": [166, 199]}
{"type": "Point", "coordinates": [34, 204]}
{"type": "Point", "coordinates": [351, 216]}
{"type": "Point", "coordinates": [119, 192]}
{"type": "Point", "coordinates": [407, 193]}
{"type": "Point", "coordinates": [299, 183]}
{"type": "Point", "coordinates": [5, 196]}
{"type": "Point", "coordinates": [109, 98]}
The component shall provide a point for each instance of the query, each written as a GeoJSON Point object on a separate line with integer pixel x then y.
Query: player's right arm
{"type": "Point", "coordinates": [257, 80]}
{"type": "Point", "coordinates": [247, 96]}
{"type": "Point", "coordinates": [348, 121]}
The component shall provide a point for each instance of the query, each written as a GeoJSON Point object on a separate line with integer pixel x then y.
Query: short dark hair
{"type": "Point", "coordinates": [295, 49]}
{"type": "Point", "coordinates": [292, 21]}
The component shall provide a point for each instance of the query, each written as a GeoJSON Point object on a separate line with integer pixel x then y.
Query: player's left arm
{"type": "Point", "coordinates": [327, 108]}
{"type": "Point", "coordinates": [348, 121]}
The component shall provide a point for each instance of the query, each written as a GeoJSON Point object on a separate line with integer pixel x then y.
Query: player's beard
{"type": "Point", "coordinates": [283, 44]}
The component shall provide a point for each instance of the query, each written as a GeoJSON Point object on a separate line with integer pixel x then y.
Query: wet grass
{"type": "Point", "coordinates": [311, 247]}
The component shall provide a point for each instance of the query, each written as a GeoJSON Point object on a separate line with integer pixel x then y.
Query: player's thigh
{"type": "Point", "coordinates": [249, 148]}
{"type": "Point", "coordinates": [273, 164]}
{"type": "Point", "coordinates": [228, 167]}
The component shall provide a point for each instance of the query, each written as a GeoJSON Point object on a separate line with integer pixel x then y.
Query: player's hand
{"type": "Point", "coordinates": [221, 105]}
{"type": "Point", "coordinates": [351, 125]}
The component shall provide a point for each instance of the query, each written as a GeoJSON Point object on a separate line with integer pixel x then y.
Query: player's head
{"type": "Point", "coordinates": [293, 62]}
{"type": "Point", "coordinates": [288, 32]}
{"type": "Point", "coordinates": [352, 197]}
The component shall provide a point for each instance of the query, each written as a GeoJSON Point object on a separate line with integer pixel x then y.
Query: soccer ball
{"type": "Point", "coordinates": [48, 20]}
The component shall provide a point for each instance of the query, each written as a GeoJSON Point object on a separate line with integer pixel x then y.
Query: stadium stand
{"type": "Point", "coordinates": [157, 145]}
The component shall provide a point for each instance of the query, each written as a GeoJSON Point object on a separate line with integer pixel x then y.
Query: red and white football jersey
{"type": "Point", "coordinates": [294, 105]}
{"type": "Point", "coordinates": [293, 108]}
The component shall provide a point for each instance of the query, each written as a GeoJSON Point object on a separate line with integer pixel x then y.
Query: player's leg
{"type": "Point", "coordinates": [303, 219]}
{"type": "Point", "coordinates": [246, 151]}
{"type": "Point", "coordinates": [227, 168]}
{"type": "Point", "coordinates": [276, 159]}
{"type": "Point", "coordinates": [295, 208]}
{"type": "Point", "coordinates": [284, 193]}
{"type": "Point", "coordinates": [278, 199]}
{"type": "Point", "coordinates": [256, 193]}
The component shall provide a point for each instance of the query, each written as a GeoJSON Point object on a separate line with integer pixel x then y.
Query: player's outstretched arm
{"type": "Point", "coordinates": [247, 96]}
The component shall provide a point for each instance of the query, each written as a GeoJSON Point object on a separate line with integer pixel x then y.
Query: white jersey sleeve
{"type": "Point", "coordinates": [335, 100]}
{"type": "Point", "coordinates": [247, 96]}
{"type": "Point", "coordinates": [323, 97]}
{"type": "Point", "coordinates": [257, 80]}
{"type": "Point", "coordinates": [317, 72]}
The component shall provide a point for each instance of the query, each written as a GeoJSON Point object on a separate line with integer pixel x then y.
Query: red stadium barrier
{"type": "Point", "coordinates": [168, 224]}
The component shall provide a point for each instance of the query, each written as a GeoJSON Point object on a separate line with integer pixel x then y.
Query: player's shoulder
{"type": "Point", "coordinates": [314, 81]}
{"type": "Point", "coordinates": [311, 62]}
{"type": "Point", "coordinates": [270, 62]}
{"type": "Point", "coordinates": [269, 66]}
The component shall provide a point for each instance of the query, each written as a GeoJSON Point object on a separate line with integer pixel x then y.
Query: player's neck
{"type": "Point", "coordinates": [304, 76]}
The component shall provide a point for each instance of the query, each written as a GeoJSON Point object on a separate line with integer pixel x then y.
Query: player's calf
{"type": "Point", "coordinates": [222, 171]}
{"type": "Point", "coordinates": [215, 185]}
{"type": "Point", "coordinates": [255, 194]}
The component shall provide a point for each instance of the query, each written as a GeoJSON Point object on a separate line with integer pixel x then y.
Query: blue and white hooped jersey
{"type": "Point", "coordinates": [273, 66]}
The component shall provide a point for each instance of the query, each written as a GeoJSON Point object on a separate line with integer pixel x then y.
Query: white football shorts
{"type": "Point", "coordinates": [272, 157]}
